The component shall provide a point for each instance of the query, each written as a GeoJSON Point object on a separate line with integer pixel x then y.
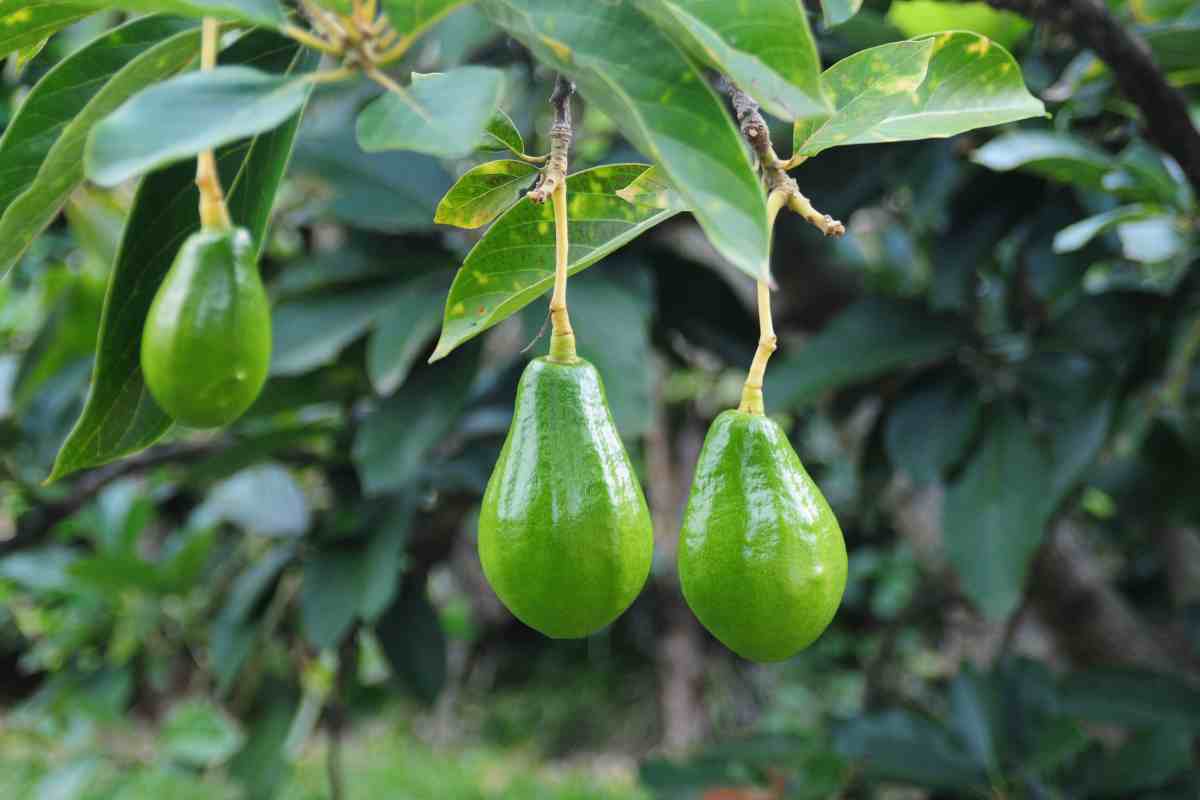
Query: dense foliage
{"type": "Point", "coordinates": [992, 376]}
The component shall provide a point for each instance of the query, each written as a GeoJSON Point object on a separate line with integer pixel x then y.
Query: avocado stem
{"type": "Point", "coordinates": [214, 214]}
{"type": "Point", "coordinates": [562, 338]}
{"type": "Point", "coordinates": [752, 391]}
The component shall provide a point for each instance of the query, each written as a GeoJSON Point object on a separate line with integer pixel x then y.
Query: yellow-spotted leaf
{"type": "Point", "coordinates": [927, 88]}
{"type": "Point", "coordinates": [766, 48]}
{"type": "Point", "coordinates": [660, 98]}
{"type": "Point", "coordinates": [514, 262]}
{"type": "Point", "coordinates": [484, 192]}
{"type": "Point", "coordinates": [26, 23]}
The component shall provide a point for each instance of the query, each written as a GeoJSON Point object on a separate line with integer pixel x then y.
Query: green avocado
{"type": "Point", "coordinates": [762, 562]}
{"type": "Point", "coordinates": [206, 344]}
{"type": "Point", "coordinates": [564, 533]}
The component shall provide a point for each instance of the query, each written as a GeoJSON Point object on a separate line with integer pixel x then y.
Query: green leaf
{"type": "Point", "coordinates": [899, 746]}
{"type": "Point", "coordinates": [926, 88]}
{"type": "Point", "coordinates": [441, 114]}
{"type": "Point", "coordinates": [238, 500]}
{"type": "Point", "coordinates": [1133, 698]}
{"type": "Point", "coordinates": [613, 326]}
{"type": "Point", "coordinates": [1147, 761]}
{"type": "Point", "coordinates": [838, 11]}
{"type": "Point", "coordinates": [996, 514]}
{"type": "Point", "coordinates": [926, 450]}
{"type": "Point", "coordinates": [199, 734]}
{"type": "Point", "coordinates": [403, 330]}
{"type": "Point", "coordinates": [513, 263]}
{"type": "Point", "coordinates": [921, 17]}
{"type": "Point", "coordinates": [391, 446]}
{"type": "Point", "coordinates": [233, 632]}
{"type": "Point", "coordinates": [661, 100]}
{"type": "Point", "coordinates": [870, 338]}
{"type": "Point", "coordinates": [766, 48]}
{"type": "Point", "coordinates": [973, 716]}
{"type": "Point", "coordinates": [309, 331]}
{"type": "Point", "coordinates": [120, 417]}
{"type": "Point", "coordinates": [413, 642]}
{"type": "Point", "coordinates": [181, 117]}
{"type": "Point", "coordinates": [390, 192]}
{"type": "Point", "coordinates": [1174, 44]}
{"type": "Point", "coordinates": [1057, 156]}
{"type": "Point", "coordinates": [485, 192]}
{"type": "Point", "coordinates": [412, 17]}
{"type": "Point", "coordinates": [331, 594]}
{"type": "Point", "coordinates": [61, 169]}
{"type": "Point", "coordinates": [24, 23]}
{"type": "Point", "coordinates": [256, 12]}
{"type": "Point", "coordinates": [502, 134]}
{"type": "Point", "coordinates": [1077, 236]}
{"type": "Point", "coordinates": [385, 561]}
{"type": "Point", "coordinates": [1155, 239]}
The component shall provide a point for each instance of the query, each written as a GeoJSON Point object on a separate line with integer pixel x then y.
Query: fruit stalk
{"type": "Point", "coordinates": [752, 391]}
{"type": "Point", "coordinates": [214, 215]}
{"type": "Point", "coordinates": [553, 185]}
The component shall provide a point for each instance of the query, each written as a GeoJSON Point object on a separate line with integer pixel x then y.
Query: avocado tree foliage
{"type": "Point", "coordinates": [1048, 304]}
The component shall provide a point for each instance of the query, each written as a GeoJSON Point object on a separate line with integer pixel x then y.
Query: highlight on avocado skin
{"type": "Point", "coordinates": [762, 561]}
{"type": "Point", "coordinates": [206, 344]}
{"type": "Point", "coordinates": [565, 536]}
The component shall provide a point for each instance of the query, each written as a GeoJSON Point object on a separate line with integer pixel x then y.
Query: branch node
{"type": "Point", "coordinates": [561, 133]}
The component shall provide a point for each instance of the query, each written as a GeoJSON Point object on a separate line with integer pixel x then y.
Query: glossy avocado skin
{"type": "Point", "coordinates": [564, 533]}
{"type": "Point", "coordinates": [206, 344]}
{"type": "Point", "coordinates": [762, 562]}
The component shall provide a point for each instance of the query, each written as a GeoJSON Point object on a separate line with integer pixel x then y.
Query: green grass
{"type": "Point", "coordinates": [386, 765]}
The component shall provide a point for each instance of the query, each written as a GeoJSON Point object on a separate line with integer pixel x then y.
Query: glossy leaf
{"type": "Point", "coordinates": [61, 169]}
{"type": "Point", "coordinates": [766, 48]}
{"type": "Point", "coordinates": [64, 91]}
{"type": "Point", "coordinates": [502, 134]}
{"type": "Point", "coordinates": [628, 69]}
{"type": "Point", "coordinates": [514, 262]}
{"type": "Point", "coordinates": [25, 23]}
{"type": "Point", "coordinates": [309, 331]}
{"type": "Point", "coordinates": [925, 88]}
{"type": "Point", "coordinates": [870, 338]}
{"type": "Point", "coordinates": [391, 192]}
{"type": "Point", "coordinates": [838, 11]}
{"type": "Point", "coordinates": [1058, 156]}
{"type": "Point", "coordinates": [923, 17]}
{"type": "Point", "coordinates": [412, 17]}
{"type": "Point", "coordinates": [181, 117]}
{"type": "Point", "coordinates": [393, 441]}
{"type": "Point", "coordinates": [996, 514]}
{"type": "Point", "coordinates": [403, 330]}
{"type": "Point", "coordinates": [120, 417]}
{"type": "Point", "coordinates": [1079, 235]}
{"type": "Point", "coordinates": [268, 13]}
{"type": "Point", "coordinates": [485, 192]}
{"type": "Point", "coordinates": [442, 114]}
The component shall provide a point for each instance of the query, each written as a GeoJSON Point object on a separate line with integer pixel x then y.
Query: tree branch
{"type": "Point", "coordinates": [755, 131]}
{"type": "Point", "coordinates": [560, 142]}
{"type": "Point", "coordinates": [1165, 109]}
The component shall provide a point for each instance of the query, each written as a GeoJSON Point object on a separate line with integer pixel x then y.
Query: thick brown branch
{"type": "Point", "coordinates": [560, 142]}
{"type": "Point", "coordinates": [1164, 108]}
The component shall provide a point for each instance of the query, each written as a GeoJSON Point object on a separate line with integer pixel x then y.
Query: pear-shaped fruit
{"type": "Point", "coordinates": [206, 345]}
{"type": "Point", "coordinates": [762, 561]}
{"type": "Point", "coordinates": [564, 533]}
